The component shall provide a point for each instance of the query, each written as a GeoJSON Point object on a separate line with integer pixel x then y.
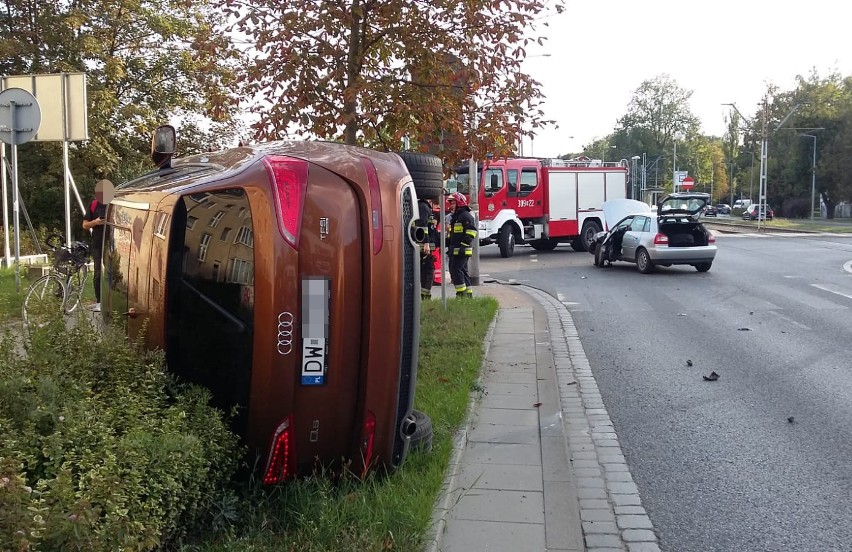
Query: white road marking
{"type": "Point", "coordinates": [788, 319]}
{"type": "Point", "coordinates": [847, 266]}
{"type": "Point", "coordinates": [560, 297]}
{"type": "Point", "coordinates": [828, 289]}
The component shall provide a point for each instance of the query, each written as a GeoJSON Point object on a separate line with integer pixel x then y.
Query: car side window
{"type": "Point", "coordinates": [647, 226]}
{"type": "Point", "coordinates": [638, 224]}
{"type": "Point", "coordinates": [624, 224]}
{"type": "Point", "coordinates": [493, 181]}
{"type": "Point", "coordinates": [529, 180]}
{"type": "Point", "coordinates": [512, 182]}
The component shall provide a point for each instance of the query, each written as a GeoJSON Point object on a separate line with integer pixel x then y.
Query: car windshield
{"type": "Point", "coordinates": [681, 205]}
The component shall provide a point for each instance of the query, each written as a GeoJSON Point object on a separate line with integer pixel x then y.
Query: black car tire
{"type": "Point", "coordinates": [544, 244]}
{"type": "Point", "coordinates": [587, 235]}
{"type": "Point", "coordinates": [643, 261]}
{"type": "Point", "coordinates": [427, 173]}
{"type": "Point", "coordinates": [421, 439]}
{"type": "Point", "coordinates": [506, 241]}
{"type": "Point", "coordinates": [703, 267]}
{"type": "Point", "coordinates": [599, 256]}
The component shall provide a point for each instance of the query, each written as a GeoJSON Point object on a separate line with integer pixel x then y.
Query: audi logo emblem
{"type": "Point", "coordinates": [285, 333]}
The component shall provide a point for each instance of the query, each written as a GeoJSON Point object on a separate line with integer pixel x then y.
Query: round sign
{"type": "Point", "coordinates": [20, 116]}
{"type": "Point", "coordinates": [687, 183]}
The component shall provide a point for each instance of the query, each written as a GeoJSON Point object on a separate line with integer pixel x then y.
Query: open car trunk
{"type": "Point", "coordinates": [689, 234]}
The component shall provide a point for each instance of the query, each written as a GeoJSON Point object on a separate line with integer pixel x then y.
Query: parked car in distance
{"type": "Point", "coordinates": [284, 278]}
{"type": "Point", "coordinates": [671, 236]}
{"type": "Point", "coordinates": [742, 203]}
{"type": "Point", "coordinates": [752, 212]}
{"type": "Point", "coordinates": [723, 209]}
{"type": "Point", "coordinates": [711, 211]}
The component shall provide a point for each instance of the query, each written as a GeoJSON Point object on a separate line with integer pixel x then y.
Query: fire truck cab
{"type": "Point", "coordinates": [543, 202]}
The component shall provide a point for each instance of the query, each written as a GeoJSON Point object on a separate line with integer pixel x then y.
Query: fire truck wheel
{"type": "Point", "coordinates": [544, 245]}
{"type": "Point", "coordinates": [427, 172]}
{"type": "Point", "coordinates": [590, 228]}
{"type": "Point", "coordinates": [422, 438]}
{"type": "Point", "coordinates": [506, 241]}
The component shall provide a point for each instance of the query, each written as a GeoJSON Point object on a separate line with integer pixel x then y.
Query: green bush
{"type": "Point", "coordinates": [100, 449]}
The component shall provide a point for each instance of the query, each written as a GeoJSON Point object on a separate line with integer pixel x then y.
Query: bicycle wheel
{"type": "Point", "coordinates": [43, 301]}
{"type": "Point", "coordinates": [75, 286]}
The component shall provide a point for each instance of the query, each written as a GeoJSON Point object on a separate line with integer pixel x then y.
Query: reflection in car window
{"type": "Point", "coordinates": [493, 181]}
{"type": "Point", "coordinates": [624, 223]}
{"type": "Point", "coordinates": [529, 180]}
{"type": "Point", "coordinates": [512, 180]}
{"type": "Point", "coordinates": [637, 224]}
{"type": "Point", "coordinates": [647, 226]}
{"type": "Point", "coordinates": [211, 303]}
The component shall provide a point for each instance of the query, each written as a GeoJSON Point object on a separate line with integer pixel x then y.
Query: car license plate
{"type": "Point", "coordinates": [315, 299]}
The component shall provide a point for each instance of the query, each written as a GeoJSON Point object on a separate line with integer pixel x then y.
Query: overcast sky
{"type": "Point", "coordinates": [723, 50]}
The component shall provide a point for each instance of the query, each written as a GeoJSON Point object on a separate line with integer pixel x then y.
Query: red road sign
{"type": "Point", "coordinates": [687, 183]}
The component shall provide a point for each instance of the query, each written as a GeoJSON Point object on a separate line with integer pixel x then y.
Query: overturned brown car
{"type": "Point", "coordinates": [283, 277]}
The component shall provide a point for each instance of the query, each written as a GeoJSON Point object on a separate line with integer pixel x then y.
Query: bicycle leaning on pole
{"type": "Point", "coordinates": [61, 290]}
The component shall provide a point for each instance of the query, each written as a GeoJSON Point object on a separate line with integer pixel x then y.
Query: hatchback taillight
{"type": "Point", "coordinates": [368, 435]}
{"type": "Point", "coordinates": [711, 237]}
{"type": "Point", "coordinates": [290, 182]}
{"type": "Point", "coordinates": [661, 239]}
{"type": "Point", "coordinates": [282, 459]}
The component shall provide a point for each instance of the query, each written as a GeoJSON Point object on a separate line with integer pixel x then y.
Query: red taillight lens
{"type": "Point", "coordinates": [376, 225]}
{"type": "Point", "coordinates": [368, 435]}
{"type": "Point", "coordinates": [661, 239]}
{"type": "Point", "coordinates": [711, 237]}
{"type": "Point", "coordinates": [282, 461]}
{"type": "Point", "coordinates": [290, 181]}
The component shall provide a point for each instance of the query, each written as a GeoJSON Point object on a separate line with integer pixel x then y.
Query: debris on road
{"type": "Point", "coordinates": [712, 377]}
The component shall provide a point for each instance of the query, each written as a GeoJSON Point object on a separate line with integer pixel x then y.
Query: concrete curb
{"type": "Point", "coordinates": [443, 507]}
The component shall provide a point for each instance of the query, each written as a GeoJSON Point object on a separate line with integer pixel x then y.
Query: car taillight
{"type": "Point", "coordinates": [290, 182]}
{"type": "Point", "coordinates": [282, 460]}
{"type": "Point", "coordinates": [368, 435]}
{"type": "Point", "coordinates": [375, 205]}
{"type": "Point", "coordinates": [711, 237]}
{"type": "Point", "coordinates": [661, 239]}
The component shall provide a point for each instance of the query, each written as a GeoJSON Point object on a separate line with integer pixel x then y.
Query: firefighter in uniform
{"type": "Point", "coordinates": [462, 232]}
{"type": "Point", "coordinates": [428, 228]}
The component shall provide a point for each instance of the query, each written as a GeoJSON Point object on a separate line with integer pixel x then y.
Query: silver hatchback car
{"type": "Point", "coordinates": [670, 236]}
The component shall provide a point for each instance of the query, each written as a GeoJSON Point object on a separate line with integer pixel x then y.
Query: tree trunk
{"type": "Point", "coordinates": [350, 102]}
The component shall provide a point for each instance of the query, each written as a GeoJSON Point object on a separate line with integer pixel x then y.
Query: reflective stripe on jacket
{"type": "Point", "coordinates": [462, 233]}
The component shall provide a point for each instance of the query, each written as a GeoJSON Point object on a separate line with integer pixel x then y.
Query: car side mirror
{"type": "Point", "coordinates": [163, 146]}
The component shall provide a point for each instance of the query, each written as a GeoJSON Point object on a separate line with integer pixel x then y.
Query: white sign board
{"type": "Point", "coordinates": [62, 99]}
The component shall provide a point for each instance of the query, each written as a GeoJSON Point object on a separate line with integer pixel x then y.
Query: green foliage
{"type": "Point", "coordinates": [325, 514]}
{"type": "Point", "coordinates": [372, 72]}
{"type": "Point", "coordinates": [99, 448]}
{"type": "Point", "coordinates": [146, 62]}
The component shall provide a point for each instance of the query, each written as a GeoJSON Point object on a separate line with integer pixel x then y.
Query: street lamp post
{"type": "Point", "coordinates": [813, 172]}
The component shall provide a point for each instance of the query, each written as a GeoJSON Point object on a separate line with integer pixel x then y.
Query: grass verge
{"type": "Point", "coordinates": [382, 513]}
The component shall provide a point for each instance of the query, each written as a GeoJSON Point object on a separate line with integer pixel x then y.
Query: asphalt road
{"type": "Point", "coordinates": [760, 459]}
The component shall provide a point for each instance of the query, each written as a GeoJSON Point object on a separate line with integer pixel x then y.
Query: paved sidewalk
{"type": "Point", "coordinates": [538, 466]}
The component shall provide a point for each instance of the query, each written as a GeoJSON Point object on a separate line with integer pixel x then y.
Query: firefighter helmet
{"type": "Point", "coordinates": [460, 199]}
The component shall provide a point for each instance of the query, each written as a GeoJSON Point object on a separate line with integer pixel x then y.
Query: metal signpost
{"type": "Point", "coordinates": [20, 117]}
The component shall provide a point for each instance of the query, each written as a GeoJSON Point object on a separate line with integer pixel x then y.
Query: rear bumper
{"type": "Point", "coordinates": [683, 255]}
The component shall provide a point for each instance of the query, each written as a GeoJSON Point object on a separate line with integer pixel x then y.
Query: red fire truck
{"type": "Point", "coordinates": [543, 202]}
